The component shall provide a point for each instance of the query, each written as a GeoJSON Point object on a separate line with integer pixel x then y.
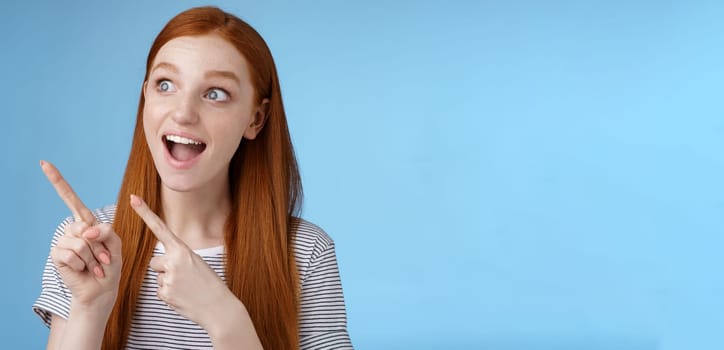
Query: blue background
{"type": "Point", "coordinates": [496, 174]}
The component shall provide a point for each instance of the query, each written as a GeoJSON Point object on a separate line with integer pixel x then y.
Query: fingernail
{"type": "Point", "coordinates": [135, 201]}
{"type": "Point", "coordinates": [98, 271]}
{"type": "Point", "coordinates": [42, 162]}
{"type": "Point", "coordinates": [104, 258]}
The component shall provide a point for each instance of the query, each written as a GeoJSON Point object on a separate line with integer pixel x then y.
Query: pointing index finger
{"type": "Point", "coordinates": [157, 226]}
{"type": "Point", "coordinates": [66, 193]}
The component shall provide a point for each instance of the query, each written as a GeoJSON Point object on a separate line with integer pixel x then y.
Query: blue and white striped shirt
{"type": "Point", "coordinates": [323, 317]}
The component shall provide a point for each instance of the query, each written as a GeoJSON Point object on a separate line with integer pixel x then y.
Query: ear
{"type": "Point", "coordinates": [143, 91]}
{"type": "Point", "coordinates": [257, 120]}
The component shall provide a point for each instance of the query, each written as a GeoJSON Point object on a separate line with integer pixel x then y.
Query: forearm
{"type": "Point", "coordinates": [84, 329]}
{"type": "Point", "coordinates": [232, 327]}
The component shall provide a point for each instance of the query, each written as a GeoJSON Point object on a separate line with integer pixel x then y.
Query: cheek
{"type": "Point", "coordinates": [232, 138]}
{"type": "Point", "coordinates": [230, 135]}
{"type": "Point", "coordinates": [152, 113]}
{"type": "Point", "coordinates": [150, 123]}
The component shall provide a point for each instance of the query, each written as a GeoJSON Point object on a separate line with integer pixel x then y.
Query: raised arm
{"type": "Point", "coordinates": [194, 290]}
{"type": "Point", "coordinates": [88, 258]}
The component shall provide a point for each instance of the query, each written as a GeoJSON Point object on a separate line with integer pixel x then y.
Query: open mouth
{"type": "Point", "coordinates": [182, 148]}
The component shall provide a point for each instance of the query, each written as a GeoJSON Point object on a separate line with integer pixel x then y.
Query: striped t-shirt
{"type": "Point", "coordinates": [322, 321]}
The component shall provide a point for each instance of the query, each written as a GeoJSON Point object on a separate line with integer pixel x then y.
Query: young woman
{"type": "Point", "coordinates": [204, 247]}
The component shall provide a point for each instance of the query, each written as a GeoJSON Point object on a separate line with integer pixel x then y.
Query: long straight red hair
{"type": "Point", "coordinates": [265, 194]}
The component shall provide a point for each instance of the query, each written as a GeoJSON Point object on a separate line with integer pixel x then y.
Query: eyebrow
{"type": "Point", "coordinates": [210, 74]}
{"type": "Point", "coordinates": [166, 66]}
{"type": "Point", "coordinates": [223, 74]}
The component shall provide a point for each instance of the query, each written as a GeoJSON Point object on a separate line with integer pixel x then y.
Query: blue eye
{"type": "Point", "coordinates": [165, 85]}
{"type": "Point", "coordinates": [217, 94]}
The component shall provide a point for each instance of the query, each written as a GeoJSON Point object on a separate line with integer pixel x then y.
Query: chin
{"type": "Point", "coordinates": [179, 183]}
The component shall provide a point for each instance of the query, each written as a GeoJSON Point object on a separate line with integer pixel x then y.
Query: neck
{"type": "Point", "coordinates": [197, 217]}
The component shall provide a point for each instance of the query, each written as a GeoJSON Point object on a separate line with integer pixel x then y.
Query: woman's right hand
{"type": "Point", "coordinates": [88, 255]}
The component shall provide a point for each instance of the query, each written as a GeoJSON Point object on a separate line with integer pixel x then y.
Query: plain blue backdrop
{"type": "Point", "coordinates": [496, 174]}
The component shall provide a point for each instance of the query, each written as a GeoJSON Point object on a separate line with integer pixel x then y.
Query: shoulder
{"type": "Point", "coordinates": [104, 214]}
{"type": "Point", "coordinates": [309, 235]}
{"type": "Point", "coordinates": [309, 243]}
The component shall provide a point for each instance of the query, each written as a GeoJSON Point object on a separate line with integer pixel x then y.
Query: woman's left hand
{"type": "Point", "coordinates": [185, 281]}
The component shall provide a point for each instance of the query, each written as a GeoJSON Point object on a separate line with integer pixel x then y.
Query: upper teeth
{"type": "Point", "coordinates": [181, 139]}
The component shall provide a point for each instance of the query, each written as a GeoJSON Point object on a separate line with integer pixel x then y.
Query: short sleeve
{"type": "Point", "coordinates": [54, 296]}
{"type": "Point", "coordinates": [323, 318]}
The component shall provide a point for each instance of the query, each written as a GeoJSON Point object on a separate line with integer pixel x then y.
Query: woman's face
{"type": "Point", "coordinates": [199, 103]}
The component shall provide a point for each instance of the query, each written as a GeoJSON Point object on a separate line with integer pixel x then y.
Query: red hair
{"type": "Point", "coordinates": [265, 190]}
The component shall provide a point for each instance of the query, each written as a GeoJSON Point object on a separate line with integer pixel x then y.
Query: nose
{"type": "Point", "coordinates": [186, 111]}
